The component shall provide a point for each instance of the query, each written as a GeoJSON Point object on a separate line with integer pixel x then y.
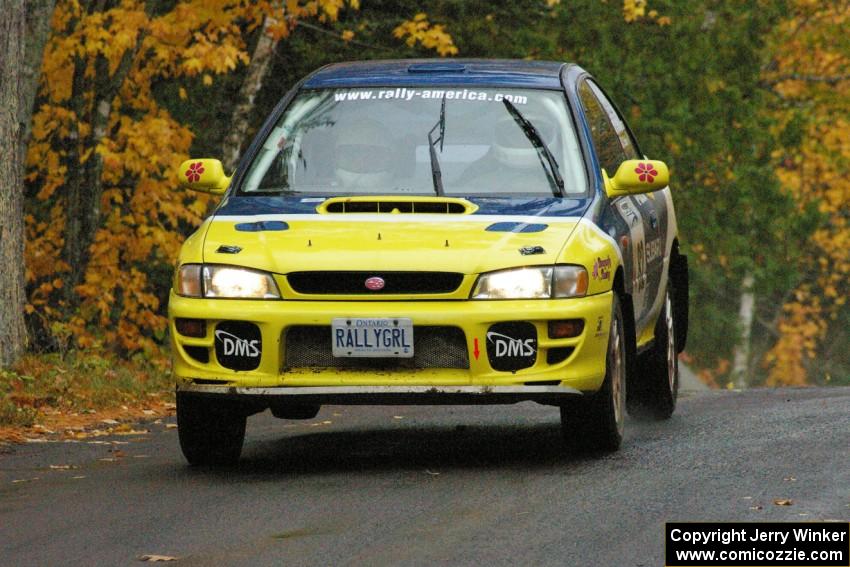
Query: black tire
{"type": "Point", "coordinates": [656, 387]}
{"type": "Point", "coordinates": [211, 430]}
{"type": "Point", "coordinates": [596, 422]}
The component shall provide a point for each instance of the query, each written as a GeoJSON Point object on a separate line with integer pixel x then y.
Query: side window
{"type": "Point", "coordinates": [605, 139]}
{"type": "Point", "coordinates": [629, 146]}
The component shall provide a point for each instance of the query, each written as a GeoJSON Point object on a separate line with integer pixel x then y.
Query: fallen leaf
{"type": "Point", "coordinates": [783, 502]}
{"type": "Point", "coordinates": [109, 421]}
{"type": "Point", "coordinates": [398, 417]}
{"type": "Point", "coordinates": [755, 507]}
{"type": "Point", "coordinates": [432, 473]}
{"type": "Point", "coordinates": [171, 426]}
{"type": "Point", "coordinates": [148, 412]}
{"type": "Point", "coordinates": [62, 467]}
{"type": "Point", "coordinates": [789, 479]}
{"type": "Point", "coordinates": [170, 405]}
{"type": "Point", "coordinates": [78, 477]}
{"type": "Point", "coordinates": [157, 558]}
{"type": "Point", "coordinates": [133, 432]}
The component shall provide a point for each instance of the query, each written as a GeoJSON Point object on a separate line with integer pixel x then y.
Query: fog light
{"type": "Point", "coordinates": [191, 327]}
{"type": "Point", "coordinates": [565, 329]}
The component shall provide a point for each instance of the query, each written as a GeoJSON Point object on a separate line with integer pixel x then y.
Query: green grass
{"type": "Point", "coordinates": [78, 382]}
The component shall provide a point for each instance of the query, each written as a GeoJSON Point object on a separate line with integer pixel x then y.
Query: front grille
{"type": "Point", "coordinates": [348, 283]}
{"type": "Point", "coordinates": [433, 347]}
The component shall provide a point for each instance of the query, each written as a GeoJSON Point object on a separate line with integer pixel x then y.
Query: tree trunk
{"type": "Point", "coordinates": [13, 336]}
{"type": "Point", "coordinates": [83, 183]}
{"type": "Point", "coordinates": [258, 70]}
{"type": "Point", "coordinates": [741, 355]}
{"type": "Point", "coordinates": [38, 16]}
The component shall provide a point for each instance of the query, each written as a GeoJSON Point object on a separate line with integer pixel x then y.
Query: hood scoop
{"type": "Point", "coordinates": [397, 205]}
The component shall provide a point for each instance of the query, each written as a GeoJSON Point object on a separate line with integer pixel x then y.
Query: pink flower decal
{"type": "Point", "coordinates": [646, 172]}
{"type": "Point", "coordinates": [193, 174]}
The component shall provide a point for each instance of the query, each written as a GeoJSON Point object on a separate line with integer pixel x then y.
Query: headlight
{"type": "Point", "coordinates": [532, 283]}
{"type": "Point", "coordinates": [195, 280]}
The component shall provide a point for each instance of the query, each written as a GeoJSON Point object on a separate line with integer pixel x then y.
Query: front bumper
{"type": "Point", "coordinates": [387, 395]}
{"type": "Point", "coordinates": [582, 371]}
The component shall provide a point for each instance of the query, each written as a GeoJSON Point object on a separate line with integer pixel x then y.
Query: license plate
{"type": "Point", "coordinates": [375, 338]}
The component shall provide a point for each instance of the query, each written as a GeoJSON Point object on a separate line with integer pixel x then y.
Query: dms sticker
{"type": "Point", "coordinates": [602, 269]}
{"type": "Point", "coordinates": [238, 345]}
{"type": "Point", "coordinates": [512, 346]}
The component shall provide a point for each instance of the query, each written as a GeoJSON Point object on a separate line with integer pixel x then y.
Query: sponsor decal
{"type": "Point", "coordinates": [653, 249]}
{"type": "Point", "coordinates": [476, 352]}
{"type": "Point", "coordinates": [602, 269]}
{"type": "Point", "coordinates": [646, 172]}
{"type": "Point", "coordinates": [238, 345]}
{"type": "Point", "coordinates": [375, 283]}
{"type": "Point", "coordinates": [600, 330]}
{"type": "Point", "coordinates": [193, 174]}
{"type": "Point", "coordinates": [532, 250]}
{"type": "Point", "coordinates": [406, 94]}
{"type": "Point", "coordinates": [511, 346]}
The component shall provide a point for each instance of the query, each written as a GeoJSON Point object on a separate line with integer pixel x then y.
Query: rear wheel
{"type": "Point", "coordinates": [211, 430]}
{"type": "Point", "coordinates": [657, 385]}
{"type": "Point", "coordinates": [596, 422]}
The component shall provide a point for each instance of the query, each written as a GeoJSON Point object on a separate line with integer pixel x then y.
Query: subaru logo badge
{"type": "Point", "coordinates": [375, 283]}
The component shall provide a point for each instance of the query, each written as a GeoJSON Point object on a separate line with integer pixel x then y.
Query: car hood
{"type": "Point", "coordinates": [284, 235]}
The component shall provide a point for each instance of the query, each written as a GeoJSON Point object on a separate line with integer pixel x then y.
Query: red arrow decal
{"type": "Point", "coordinates": [475, 350]}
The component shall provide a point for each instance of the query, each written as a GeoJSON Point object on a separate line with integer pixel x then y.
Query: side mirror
{"type": "Point", "coordinates": [637, 176]}
{"type": "Point", "coordinates": [204, 175]}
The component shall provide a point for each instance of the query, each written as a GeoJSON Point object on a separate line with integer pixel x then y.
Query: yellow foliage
{"type": "Point", "coordinates": [419, 30]}
{"type": "Point", "coordinates": [806, 71]}
{"type": "Point", "coordinates": [633, 10]}
{"type": "Point", "coordinates": [142, 214]}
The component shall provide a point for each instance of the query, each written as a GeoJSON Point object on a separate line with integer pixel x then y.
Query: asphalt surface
{"type": "Point", "coordinates": [429, 485]}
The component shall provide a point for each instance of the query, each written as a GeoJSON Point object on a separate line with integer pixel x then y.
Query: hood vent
{"type": "Point", "coordinates": [396, 205]}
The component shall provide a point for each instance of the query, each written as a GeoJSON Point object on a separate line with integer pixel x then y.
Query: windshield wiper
{"type": "Point", "coordinates": [533, 135]}
{"type": "Point", "coordinates": [436, 173]}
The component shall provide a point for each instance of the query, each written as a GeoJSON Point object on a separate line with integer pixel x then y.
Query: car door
{"type": "Point", "coordinates": [645, 216]}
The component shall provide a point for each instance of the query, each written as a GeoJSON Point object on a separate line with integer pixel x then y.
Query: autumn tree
{"type": "Point", "coordinates": [104, 218]}
{"type": "Point", "coordinates": [808, 75]}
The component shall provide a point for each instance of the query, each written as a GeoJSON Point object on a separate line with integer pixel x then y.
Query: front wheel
{"type": "Point", "coordinates": [211, 430]}
{"type": "Point", "coordinates": [597, 422]}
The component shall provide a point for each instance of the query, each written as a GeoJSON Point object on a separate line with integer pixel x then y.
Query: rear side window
{"type": "Point", "coordinates": [609, 149]}
{"type": "Point", "coordinates": [628, 143]}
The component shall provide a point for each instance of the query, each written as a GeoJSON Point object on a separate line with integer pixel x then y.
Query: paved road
{"type": "Point", "coordinates": [424, 485]}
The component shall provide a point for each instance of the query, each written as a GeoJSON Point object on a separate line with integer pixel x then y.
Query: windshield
{"type": "Point", "coordinates": [418, 141]}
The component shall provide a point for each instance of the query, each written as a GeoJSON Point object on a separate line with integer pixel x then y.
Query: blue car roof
{"type": "Point", "coordinates": [455, 72]}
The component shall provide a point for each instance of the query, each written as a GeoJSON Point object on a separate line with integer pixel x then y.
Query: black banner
{"type": "Point", "coordinates": [762, 544]}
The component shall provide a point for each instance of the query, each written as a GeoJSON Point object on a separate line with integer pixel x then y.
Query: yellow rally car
{"type": "Point", "coordinates": [431, 232]}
